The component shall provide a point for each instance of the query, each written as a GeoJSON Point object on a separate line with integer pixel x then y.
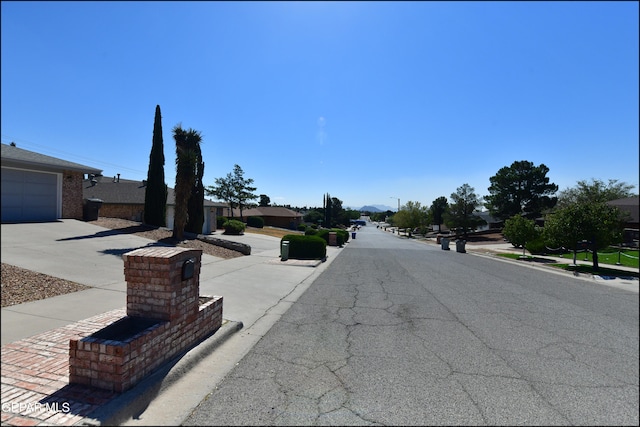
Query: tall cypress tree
{"type": "Point", "coordinates": [155, 196]}
{"type": "Point", "coordinates": [328, 208]}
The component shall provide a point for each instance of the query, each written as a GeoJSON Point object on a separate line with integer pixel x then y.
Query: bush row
{"type": "Point", "coordinates": [342, 236]}
{"type": "Point", "coordinates": [305, 247]}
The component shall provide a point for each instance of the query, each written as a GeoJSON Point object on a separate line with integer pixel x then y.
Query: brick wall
{"type": "Point", "coordinates": [155, 286]}
{"type": "Point", "coordinates": [155, 290]}
{"type": "Point", "coordinates": [130, 212]}
{"type": "Point", "coordinates": [72, 194]}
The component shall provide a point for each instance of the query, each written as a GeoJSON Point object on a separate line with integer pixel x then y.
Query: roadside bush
{"type": "Point", "coordinates": [302, 227]}
{"type": "Point", "coordinates": [310, 232]}
{"type": "Point", "coordinates": [255, 221]}
{"type": "Point", "coordinates": [234, 227]}
{"type": "Point", "coordinates": [324, 234]}
{"type": "Point", "coordinates": [342, 236]}
{"type": "Point", "coordinates": [536, 246]}
{"type": "Point", "coordinates": [305, 247]}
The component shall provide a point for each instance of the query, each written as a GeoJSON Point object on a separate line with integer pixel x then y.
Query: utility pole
{"type": "Point", "coordinates": [391, 197]}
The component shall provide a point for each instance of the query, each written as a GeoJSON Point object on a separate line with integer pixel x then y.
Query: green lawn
{"type": "Point", "coordinates": [582, 268]}
{"type": "Point", "coordinates": [627, 258]}
{"type": "Point", "coordinates": [603, 271]}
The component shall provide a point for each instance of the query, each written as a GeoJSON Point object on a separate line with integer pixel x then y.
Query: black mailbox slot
{"type": "Point", "coordinates": [187, 269]}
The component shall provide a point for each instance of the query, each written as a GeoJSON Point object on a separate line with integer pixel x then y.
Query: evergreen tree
{"type": "Point", "coordinates": [243, 191]}
{"type": "Point", "coordinates": [521, 188]}
{"type": "Point", "coordinates": [265, 200]}
{"type": "Point", "coordinates": [460, 214]}
{"type": "Point", "coordinates": [195, 217]}
{"type": "Point", "coordinates": [438, 209]}
{"type": "Point", "coordinates": [327, 211]}
{"type": "Point", "coordinates": [155, 196]}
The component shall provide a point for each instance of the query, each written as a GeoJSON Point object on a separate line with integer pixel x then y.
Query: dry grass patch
{"type": "Point", "coordinates": [272, 231]}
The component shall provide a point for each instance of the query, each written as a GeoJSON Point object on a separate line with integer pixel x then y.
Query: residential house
{"type": "Point", "coordinates": [274, 216]}
{"type": "Point", "coordinates": [37, 187]}
{"type": "Point", "coordinates": [491, 223]}
{"type": "Point", "coordinates": [630, 205]}
{"type": "Point", "coordinates": [123, 198]}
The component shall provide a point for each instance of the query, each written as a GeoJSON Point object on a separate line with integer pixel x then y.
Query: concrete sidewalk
{"type": "Point", "coordinates": [257, 289]}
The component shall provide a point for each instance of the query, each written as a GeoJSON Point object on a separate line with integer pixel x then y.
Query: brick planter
{"type": "Point", "coordinates": [165, 317]}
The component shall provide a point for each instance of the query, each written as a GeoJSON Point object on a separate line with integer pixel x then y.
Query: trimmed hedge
{"type": "Point", "coordinates": [255, 221]}
{"type": "Point", "coordinates": [342, 236]}
{"type": "Point", "coordinates": [234, 227]}
{"type": "Point", "coordinates": [220, 221]}
{"type": "Point", "coordinates": [305, 247]}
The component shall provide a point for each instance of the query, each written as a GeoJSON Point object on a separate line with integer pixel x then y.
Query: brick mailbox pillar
{"type": "Point", "coordinates": [162, 282]}
{"type": "Point", "coordinates": [165, 317]}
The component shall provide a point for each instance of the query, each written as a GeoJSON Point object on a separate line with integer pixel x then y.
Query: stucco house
{"type": "Point", "coordinates": [37, 187]}
{"type": "Point", "coordinates": [123, 198]}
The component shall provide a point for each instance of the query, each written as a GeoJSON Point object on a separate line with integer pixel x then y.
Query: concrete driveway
{"type": "Point", "coordinates": [91, 255]}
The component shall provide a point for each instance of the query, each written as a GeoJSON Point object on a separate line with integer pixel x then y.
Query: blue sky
{"type": "Point", "coordinates": [366, 101]}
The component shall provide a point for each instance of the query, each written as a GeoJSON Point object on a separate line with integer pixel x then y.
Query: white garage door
{"type": "Point", "coordinates": [29, 196]}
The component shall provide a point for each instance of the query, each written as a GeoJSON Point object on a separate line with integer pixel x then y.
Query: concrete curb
{"type": "Point", "coordinates": [136, 400]}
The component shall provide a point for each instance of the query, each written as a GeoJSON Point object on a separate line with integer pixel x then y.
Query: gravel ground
{"type": "Point", "coordinates": [20, 285]}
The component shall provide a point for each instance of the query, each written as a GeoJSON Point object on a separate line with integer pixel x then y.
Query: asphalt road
{"type": "Point", "coordinates": [395, 332]}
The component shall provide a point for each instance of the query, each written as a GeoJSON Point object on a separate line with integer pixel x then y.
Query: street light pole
{"type": "Point", "coordinates": [391, 197]}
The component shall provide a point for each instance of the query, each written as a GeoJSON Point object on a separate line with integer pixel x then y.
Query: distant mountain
{"type": "Point", "coordinates": [376, 208]}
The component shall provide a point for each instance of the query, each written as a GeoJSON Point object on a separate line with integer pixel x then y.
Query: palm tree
{"type": "Point", "coordinates": [186, 161]}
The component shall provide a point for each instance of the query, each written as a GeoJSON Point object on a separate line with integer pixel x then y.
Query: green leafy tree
{"type": "Point", "coordinates": [186, 161]}
{"type": "Point", "coordinates": [337, 212]}
{"type": "Point", "coordinates": [380, 216]}
{"type": "Point", "coordinates": [594, 191]}
{"type": "Point", "coordinates": [438, 209]}
{"type": "Point", "coordinates": [412, 215]}
{"type": "Point", "coordinates": [313, 216]}
{"type": "Point", "coordinates": [520, 230]}
{"type": "Point", "coordinates": [346, 215]}
{"type": "Point", "coordinates": [155, 193]}
{"type": "Point", "coordinates": [264, 200]}
{"type": "Point", "coordinates": [521, 188]}
{"type": "Point", "coordinates": [597, 224]}
{"type": "Point", "coordinates": [460, 214]}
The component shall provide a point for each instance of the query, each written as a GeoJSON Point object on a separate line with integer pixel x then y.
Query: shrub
{"type": "Point", "coordinates": [536, 246]}
{"type": "Point", "coordinates": [255, 221]}
{"type": "Point", "coordinates": [302, 227]}
{"type": "Point", "coordinates": [305, 247]}
{"type": "Point", "coordinates": [324, 234]}
{"type": "Point", "coordinates": [342, 236]}
{"type": "Point", "coordinates": [220, 221]}
{"type": "Point", "coordinates": [234, 227]}
{"type": "Point", "coordinates": [310, 232]}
